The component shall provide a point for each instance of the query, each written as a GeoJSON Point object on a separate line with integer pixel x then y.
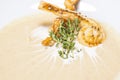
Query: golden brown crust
{"type": "Point", "coordinates": [91, 36]}
{"type": "Point", "coordinates": [48, 42]}
{"type": "Point", "coordinates": [56, 10]}
{"type": "Point", "coordinates": [71, 4]}
{"type": "Point", "coordinates": [56, 24]}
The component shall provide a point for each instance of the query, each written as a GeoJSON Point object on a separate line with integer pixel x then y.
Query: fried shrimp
{"type": "Point", "coordinates": [71, 4]}
{"type": "Point", "coordinates": [91, 33]}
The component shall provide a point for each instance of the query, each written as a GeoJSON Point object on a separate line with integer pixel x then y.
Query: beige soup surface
{"type": "Point", "coordinates": [21, 60]}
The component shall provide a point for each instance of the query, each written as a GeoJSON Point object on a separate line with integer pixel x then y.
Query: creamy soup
{"type": "Point", "coordinates": [22, 59]}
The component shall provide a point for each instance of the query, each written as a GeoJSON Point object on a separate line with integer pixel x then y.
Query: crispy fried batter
{"type": "Point", "coordinates": [71, 4]}
{"type": "Point", "coordinates": [56, 24]}
{"type": "Point", "coordinates": [48, 42]}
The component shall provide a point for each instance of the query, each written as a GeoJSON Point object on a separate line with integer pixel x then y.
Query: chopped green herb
{"type": "Point", "coordinates": [67, 31]}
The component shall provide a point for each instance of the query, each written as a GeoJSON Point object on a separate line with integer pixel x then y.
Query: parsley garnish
{"type": "Point", "coordinates": [67, 33]}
